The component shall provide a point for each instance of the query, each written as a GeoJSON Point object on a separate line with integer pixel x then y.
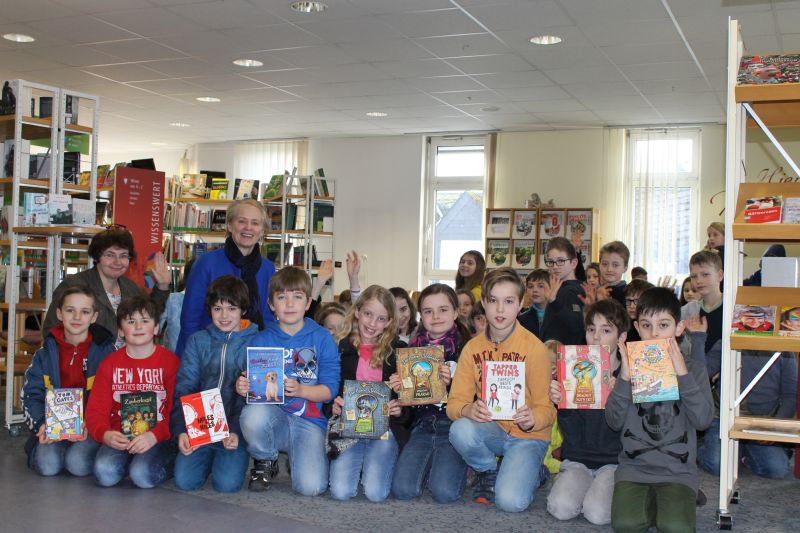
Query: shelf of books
{"type": "Point", "coordinates": [48, 212]}
{"type": "Point", "coordinates": [518, 237]}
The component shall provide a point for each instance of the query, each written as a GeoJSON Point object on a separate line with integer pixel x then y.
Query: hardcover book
{"type": "Point", "coordinates": [219, 189]}
{"type": "Point", "coordinates": [764, 210]}
{"type": "Point", "coordinates": [102, 176]}
{"type": "Point", "coordinates": [205, 417]}
{"type": "Point", "coordinates": [584, 374]}
{"type": "Point", "coordinates": [653, 376]}
{"type": "Point", "coordinates": [138, 413]}
{"type": "Point", "coordinates": [245, 189]}
{"type": "Point", "coordinates": [503, 387]}
{"type": "Point", "coordinates": [366, 409]}
{"type": "Point", "coordinates": [218, 220]}
{"type": "Point", "coordinates": [418, 369]}
{"type": "Point", "coordinates": [265, 374]}
{"type": "Point", "coordinates": [83, 212]}
{"type": "Point", "coordinates": [63, 417]}
{"type": "Point", "coordinates": [791, 211]}
{"type": "Point", "coordinates": [60, 207]}
{"type": "Point", "coordinates": [754, 319]}
{"type": "Point", "coordinates": [790, 322]}
{"type": "Point", "coordinates": [524, 253]}
{"type": "Point", "coordinates": [193, 185]}
{"type": "Point", "coordinates": [524, 225]}
{"type": "Point", "coordinates": [769, 69]}
{"type": "Point", "coordinates": [35, 210]}
{"type": "Point", "coordinates": [551, 224]}
{"type": "Point", "coordinates": [497, 253]}
{"type": "Point", "coordinates": [272, 189]}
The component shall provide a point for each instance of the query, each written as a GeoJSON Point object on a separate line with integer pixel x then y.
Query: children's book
{"type": "Point", "coordinates": [524, 253]}
{"type": "Point", "coordinates": [754, 319]}
{"type": "Point", "coordinates": [584, 374]}
{"type": "Point", "coordinates": [194, 185]}
{"type": "Point", "coordinates": [499, 224]}
{"type": "Point", "coordinates": [579, 233]}
{"type": "Point", "coordinates": [498, 253]}
{"type": "Point", "coordinates": [503, 387]}
{"type": "Point", "coordinates": [768, 69]}
{"type": "Point", "coordinates": [245, 189]}
{"type": "Point", "coordinates": [551, 224]}
{"type": "Point", "coordinates": [205, 417]}
{"type": "Point", "coordinates": [265, 374]}
{"type": "Point", "coordinates": [791, 211]}
{"type": "Point", "coordinates": [63, 417]}
{"type": "Point", "coordinates": [764, 210]}
{"type": "Point", "coordinates": [418, 369]}
{"type": "Point", "coordinates": [35, 210]}
{"type": "Point", "coordinates": [653, 377]}
{"type": "Point", "coordinates": [219, 189]}
{"type": "Point", "coordinates": [524, 224]}
{"type": "Point", "coordinates": [102, 176]}
{"type": "Point", "coordinates": [543, 252]}
{"type": "Point", "coordinates": [60, 207]}
{"type": "Point", "coordinates": [790, 322]}
{"type": "Point", "coordinates": [366, 410]}
{"type": "Point", "coordinates": [138, 413]}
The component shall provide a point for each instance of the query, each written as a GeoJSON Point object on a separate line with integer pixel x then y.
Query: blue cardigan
{"type": "Point", "coordinates": [206, 269]}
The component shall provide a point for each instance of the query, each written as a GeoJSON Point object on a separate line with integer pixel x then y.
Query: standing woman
{"type": "Point", "coordinates": [241, 257]}
{"type": "Point", "coordinates": [111, 251]}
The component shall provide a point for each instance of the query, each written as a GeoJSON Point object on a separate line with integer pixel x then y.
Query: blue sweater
{"type": "Point", "coordinates": [312, 358]}
{"type": "Point", "coordinates": [213, 359]}
{"type": "Point", "coordinates": [206, 269]}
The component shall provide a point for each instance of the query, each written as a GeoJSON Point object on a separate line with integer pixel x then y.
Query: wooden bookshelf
{"type": "Point", "coordinates": [764, 232]}
{"type": "Point", "coordinates": [776, 104]}
{"type": "Point", "coordinates": [765, 429]}
{"type": "Point", "coordinates": [72, 231]}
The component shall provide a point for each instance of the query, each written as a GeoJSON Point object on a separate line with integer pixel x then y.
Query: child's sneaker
{"type": "Point", "coordinates": [261, 475]}
{"type": "Point", "coordinates": [484, 487]}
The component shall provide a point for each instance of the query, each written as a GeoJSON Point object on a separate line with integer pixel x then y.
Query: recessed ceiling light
{"type": "Point", "coordinates": [248, 63]}
{"type": "Point", "coordinates": [545, 39]}
{"type": "Point", "coordinates": [308, 7]}
{"type": "Point", "coordinates": [180, 125]}
{"type": "Point", "coordinates": [490, 109]}
{"type": "Point", "coordinates": [377, 114]}
{"type": "Point", "coordinates": [18, 38]}
{"type": "Point", "coordinates": [207, 99]}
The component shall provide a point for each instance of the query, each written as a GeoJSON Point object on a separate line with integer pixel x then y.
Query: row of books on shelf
{"type": "Point", "coordinates": [32, 282]}
{"type": "Point", "coordinates": [190, 216]}
{"type": "Point", "coordinates": [215, 185]}
{"type": "Point", "coordinates": [44, 209]}
{"type": "Point", "coordinates": [766, 320]}
{"type": "Point", "coordinates": [772, 210]}
{"type": "Point", "coordinates": [322, 217]}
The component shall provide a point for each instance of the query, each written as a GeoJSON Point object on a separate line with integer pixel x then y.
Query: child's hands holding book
{"type": "Point", "coordinates": [394, 408]}
{"type": "Point", "coordinates": [40, 436]}
{"type": "Point", "coordinates": [142, 443]}
{"type": "Point", "coordinates": [231, 442]}
{"type": "Point", "coordinates": [445, 374]}
{"type": "Point", "coordinates": [477, 411]}
{"type": "Point", "coordinates": [292, 387]}
{"type": "Point", "coordinates": [337, 406]}
{"type": "Point", "coordinates": [242, 385]}
{"type": "Point", "coordinates": [696, 324]}
{"type": "Point", "coordinates": [183, 444]}
{"type": "Point", "coordinates": [116, 440]}
{"type": "Point", "coordinates": [677, 358]}
{"type": "Point", "coordinates": [524, 418]}
{"type": "Point", "coordinates": [395, 383]}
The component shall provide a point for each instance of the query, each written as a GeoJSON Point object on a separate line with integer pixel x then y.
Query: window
{"type": "Point", "coordinates": [663, 181]}
{"type": "Point", "coordinates": [260, 160]}
{"type": "Point", "coordinates": [454, 204]}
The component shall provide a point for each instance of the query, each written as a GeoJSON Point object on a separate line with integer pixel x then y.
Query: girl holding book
{"type": "Point", "coordinates": [428, 457]}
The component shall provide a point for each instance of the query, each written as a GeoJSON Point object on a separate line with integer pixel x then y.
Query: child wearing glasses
{"type": "Point", "coordinates": [633, 290]}
{"type": "Point", "coordinates": [563, 317]}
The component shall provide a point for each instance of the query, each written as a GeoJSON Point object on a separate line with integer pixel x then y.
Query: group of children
{"type": "Point", "coordinates": [631, 465]}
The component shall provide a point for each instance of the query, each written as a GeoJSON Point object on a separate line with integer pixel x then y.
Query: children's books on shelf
{"type": "Point", "coordinates": [653, 377]}
{"type": "Point", "coordinates": [498, 253]}
{"type": "Point", "coordinates": [584, 374]}
{"type": "Point", "coordinates": [193, 186]}
{"type": "Point", "coordinates": [418, 369]}
{"type": "Point", "coordinates": [790, 322]}
{"type": "Point", "coordinates": [35, 210]}
{"type": "Point", "coordinates": [764, 210]}
{"type": "Point", "coordinates": [244, 189]}
{"type": "Point", "coordinates": [524, 253]}
{"type": "Point", "coordinates": [503, 387]}
{"type": "Point", "coordinates": [769, 69]}
{"type": "Point", "coordinates": [265, 373]}
{"type": "Point", "coordinates": [754, 319]}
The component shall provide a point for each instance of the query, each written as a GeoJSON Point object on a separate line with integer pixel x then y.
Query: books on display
{"type": "Point", "coordinates": [790, 322]}
{"type": "Point", "coordinates": [769, 69]}
{"type": "Point", "coordinates": [584, 374]}
{"type": "Point", "coordinates": [138, 413]}
{"type": "Point", "coordinates": [193, 186]}
{"type": "Point", "coordinates": [60, 207]}
{"type": "Point", "coordinates": [791, 211]}
{"type": "Point", "coordinates": [498, 253]}
{"type": "Point", "coordinates": [764, 210]}
{"type": "Point", "coordinates": [205, 417]}
{"type": "Point", "coordinates": [418, 369]}
{"type": "Point", "coordinates": [551, 224]}
{"type": "Point", "coordinates": [244, 189]}
{"type": "Point", "coordinates": [754, 319]}
{"type": "Point", "coordinates": [265, 374]}
{"type": "Point", "coordinates": [63, 416]}
{"type": "Point", "coordinates": [524, 224]}
{"type": "Point", "coordinates": [499, 224]}
{"type": "Point", "coordinates": [365, 414]}
{"type": "Point", "coordinates": [218, 189]}
{"type": "Point", "coordinates": [653, 377]}
{"type": "Point", "coordinates": [524, 253]}
{"type": "Point", "coordinates": [503, 387]}
{"type": "Point", "coordinates": [83, 212]}
{"type": "Point", "coordinates": [35, 211]}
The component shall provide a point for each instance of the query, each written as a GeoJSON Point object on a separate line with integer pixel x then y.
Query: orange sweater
{"type": "Point", "coordinates": [521, 345]}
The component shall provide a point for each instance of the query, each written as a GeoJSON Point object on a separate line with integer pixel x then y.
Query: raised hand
{"type": "Point", "coordinates": [696, 324]}
{"type": "Point", "coordinates": [553, 287]}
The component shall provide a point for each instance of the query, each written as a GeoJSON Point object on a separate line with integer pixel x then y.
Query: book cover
{"type": "Point", "coordinates": [218, 220]}
{"type": "Point", "coordinates": [60, 208]}
{"type": "Point", "coordinates": [524, 253]}
{"type": "Point", "coordinates": [63, 416]}
{"type": "Point", "coordinates": [102, 177]}
{"type": "Point", "coordinates": [205, 417]}
{"type": "Point", "coordinates": [35, 211]}
{"type": "Point", "coordinates": [791, 211]}
{"type": "Point", "coordinates": [764, 210]}
{"type": "Point", "coordinates": [245, 189]}
{"type": "Point", "coordinates": [497, 253]}
{"type": "Point", "coordinates": [579, 232]}
{"type": "Point", "coordinates": [503, 387]}
{"type": "Point", "coordinates": [584, 374]}
{"type": "Point", "coordinates": [754, 319]}
{"type": "Point", "coordinates": [138, 413]}
{"type": "Point", "coordinates": [551, 224]}
{"type": "Point", "coordinates": [219, 189]}
{"type": "Point", "coordinates": [272, 189]}
{"type": "Point", "coordinates": [499, 224]}
{"type": "Point", "coordinates": [274, 216]}
{"type": "Point", "coordinates": [265, 372]}
{"type": "Point", "coordinates": [524, 225]}
{"type": "Point", "coordinates": [366, 409]}
{"type": "Point", "coordinates": [418, 369]}
{"type": "Point", "coordinates": [321, 212]}
{"type": "Point", "coordinates": [291, 216]}
{"type": "Point", "coordinates": [790, 322]}
{"type": "Point", "coordinates": [767, 69]}
{"type": "Point", "coordinates": [653, 376]}
{"type": "Point", "coordinates": [194, 185]}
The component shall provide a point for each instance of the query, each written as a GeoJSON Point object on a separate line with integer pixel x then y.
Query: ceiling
{"type": "Point", "coordinates": [431, 65]}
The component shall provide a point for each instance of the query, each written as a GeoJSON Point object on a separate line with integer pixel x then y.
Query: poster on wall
{"type": "Point", "coordinates": [579, 233]}
{"type": "Point", "coordinates": [139, 206]}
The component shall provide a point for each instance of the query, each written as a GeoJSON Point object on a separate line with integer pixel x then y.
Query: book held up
{"type": "Point", "coordinates": [418, 369]}
{"type": "Point", "coordinates": [265, 373]}
{"type": "Point", "coordinates": [365, 414]}
{"type": "Point", "coordinates": [503, 387]}
{"type": "Point", "coordinates": [653, 377]}
{"type": "Point", "coordinates": [63, 417]}
{"type": "Point", "coordinates": [205, 417]}
{"type": "Point", "coordinates": [584, 374]}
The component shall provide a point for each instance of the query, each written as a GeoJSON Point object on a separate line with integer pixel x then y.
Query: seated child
{"type": "Point", "coordinates": [215, 357]}
{"type": "Point", "coordinates": [639, 273]}
{"type": "Point", "coordinates": [632, 292]}
{"type": "Point", "coordinates": [466, 301]}
{"type": "Point", "coordinates": [656, 481]}
{"type": "Point", "coordinates": [330, 316]}
{"type": "Point", "coordinates": [139, 366]}
{"type": "Point", "coordinates": [523, 441]}
{"type": "Point", "coordinates": [537, 285]}
{"type": "Point", "coordinates": [614, 257]}
{"type": "Point", "coordinates": [69, 358]}
{"type": "Point", "coordinates": [311, 364]}
{"type": "Point", "coordinates": [477, 320]}
{"type": "Point", "coordinates": [406, 314]}
{"type": "Point", "coordinates": [563, 318]}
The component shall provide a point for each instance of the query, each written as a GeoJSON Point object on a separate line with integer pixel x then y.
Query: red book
{"type": "Point", "coordinates": [765, 210]}
{"type": "Point", "coordinates": [205, 417]}
{"type": "Point", "coordinates": [584, 374]}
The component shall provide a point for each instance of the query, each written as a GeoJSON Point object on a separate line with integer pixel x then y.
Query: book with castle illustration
{"type": "Point", "coordinates": [63, 417]}
{"type": "Point", "coordinates": [653, 377]}
{"type": "Point", "coordinates": [418, 369]}
{"type": "Point", "coordinates": [205, 417]}
{"type": "Point", "coordinates": [584, 374]}
{"type": "Point", "coordinates": [366, 410]}
{"type": "Point", "coordinates": [265, 373]}
{"type": "Point", "coordinates": [503, 387]}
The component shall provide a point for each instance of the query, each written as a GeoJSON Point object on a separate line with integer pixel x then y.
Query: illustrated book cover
{"type": "Point", "coordinates": [498, 253]}
{"type": "Point", "coordinates": [584, 374]}
{"type": "Point", "coordinates": [768, 69]}
{"type": "Point", "coordinates": [790, 322]}
{"type": "Point", "coordinates": [418, 369]}
{"type": "Point", "coordinates": [138, 413]}
{"type": "Point", "coordinates": [194, 185]}
{"type": "Point", "coordinates": [265, 373]}
{"type": "Point", "coordinates": [551, 224]}
{"type": "Point", "coordinates": [245, 189]}
{"type": "Point", "coordinates": [205, 417]}
{"type": "Point", "coordinates": [754, 319]}
{"type": "Point", "coordinates": [764, 210]}
{"type": "Point", "coordinates": [653, 377]}
{"type": "Point", "coordinates": [366, 409]}
{"type": "Point", "coordinates": [499, 224]}
{"type": "Point", "coordinates": [524, 224]}
{"type": "Point", "coordinates": [63, 417]}
{"type": "Point", "coordinates": [503, 387]}
{"type": "Point", "coordinates": [524, 253]}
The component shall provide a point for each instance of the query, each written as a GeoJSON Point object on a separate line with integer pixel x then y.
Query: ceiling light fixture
{"type": "Point", "coordinates": [545, 39]}
{"type": "Point", "coordinates": [377, 114]}
{"type": "Point", "coordinates": [18, 38]}
{"type": "Point", "coordinates": [207, 99]}
{"type": "Point", "coordinates": [308, 7]}
{"type": "Point", "coordinates": [180, 125]}
{"type": "Point", "coordinates": [248, 63]}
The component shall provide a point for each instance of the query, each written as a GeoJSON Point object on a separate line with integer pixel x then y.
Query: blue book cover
{"type": "Point", "coordinates": [265, 374]}
{"type": "Point", "coordinates": [366, 409]}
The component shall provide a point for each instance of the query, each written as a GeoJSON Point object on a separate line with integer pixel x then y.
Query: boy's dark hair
{"type": "Point", "coordinates": [116, 236]}
{"type": "Point", "coordinates": [400, 292]}
{"type": "Point", "coordinates": [562, 244]}
{"type": "Point", "coordinates": [656, 300]}
{"type": "Point", "coordinates": [611, 310]}
{"type": "Point", "coordinates": [290, 279]}
{"type": "Point", "coordinates": [708, 258]}
{"type": "Point", "coordinates": [638, 271]}
{"type": "Point", "coordinates": [77, 289]}
{"type": "Point", "coordinates": [138, 304]}
{"type": "Point", "coordinates": [539, 274]}
{"type": "Point", "coordinates": [503, 275]}
{"type": "Point", "coordinates": [616, 247]}
{"type": "Point", "coordinates": [636, 286]}
{"type": "Point", "coordinates": [228, 289]}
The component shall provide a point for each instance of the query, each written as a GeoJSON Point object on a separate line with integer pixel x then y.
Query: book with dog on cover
{"type": "Point", "coordinates": [265, 375]}
{"type": "Point", "coordinates": [205, 417]}
{"type": "Point", "coordinates": [503, 387]}
{"type": "Point", "coordinates": [418, 369]}
{"type": "Point", "coordinates": [365, 414]}
{"type": "Point", "coordinates": [138, 413]}
{"type": "Point", "coordinates": [63, 416]}
{"type": "Point", "coordinates": [653, 377]}
{"type": "Point", "coordinates": [584, 373]}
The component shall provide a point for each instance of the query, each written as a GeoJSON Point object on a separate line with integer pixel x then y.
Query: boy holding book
{"type": "Point", "coordinates": [215, 357]}
{"type": "Point", "coordinates": [522, 441]}
{"type": "Point", "coordinates": [311, 363]}
{"type": "Point", "coordinates": [656, 481]}
{"type": "Point", "coordinates": [140, 366]}
{"type": "Point", "coordinates": [69, 358]}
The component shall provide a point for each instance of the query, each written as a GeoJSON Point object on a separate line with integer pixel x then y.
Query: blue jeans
{"type": "Point", "coordinates": [479, 443]}
{"type": "Point", "coordinates": [372, 461]}
{"type": "Point", "coordinates": [146, 470]}
{"type": "Point", "coordinates": [268, 429]}
{"type": "Point", "coordinates": [78, 457]}
{"type": "Point", "coordinates": [429, 455]}
{"type": "Point", "coordinates": [770, 461]}
{"type": "Point", "coordinates": [226, 467]}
